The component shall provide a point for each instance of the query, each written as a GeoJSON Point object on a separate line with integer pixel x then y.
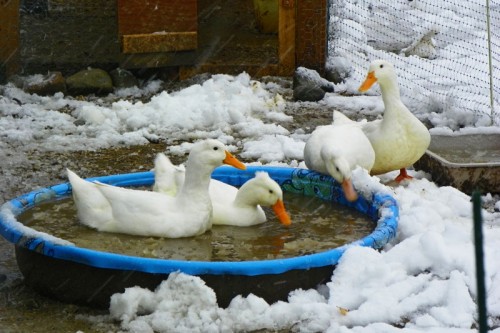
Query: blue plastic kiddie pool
{"type": "Point", "coordinates": [84, 276]}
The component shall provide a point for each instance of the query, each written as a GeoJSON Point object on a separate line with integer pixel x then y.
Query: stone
{"type": "Point", "coordinates": [123, 78]}
{"type": "Point", "coordinates": [90, 81]}
{"type": "Point", "coordinates": [338, 69]}
{"type": "Point", "coordinates": [17, 80]}
{"type": "Point", "coordinates": [45, 85]}
{"type": "Point", "coordinates": [309, 86]}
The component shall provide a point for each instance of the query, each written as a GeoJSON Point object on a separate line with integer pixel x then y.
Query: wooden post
{"type": "Point", "coordinates": [9, 38]}
{"type": "Point", "coordinates": [286, 37]}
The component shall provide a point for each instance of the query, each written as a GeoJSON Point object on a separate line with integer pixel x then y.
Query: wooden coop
{"type": "Point", "coordinates": [261, 37]}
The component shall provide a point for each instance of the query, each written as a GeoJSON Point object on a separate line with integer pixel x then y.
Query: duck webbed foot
{"type": "Point", "coordinates": [403, 175]}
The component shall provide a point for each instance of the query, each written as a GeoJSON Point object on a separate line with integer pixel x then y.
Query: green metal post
{"type": "Point", "coordinates": [478, 240]}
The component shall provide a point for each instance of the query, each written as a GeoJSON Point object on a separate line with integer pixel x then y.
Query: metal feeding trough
{"type": "Point", "coordinates": [468, 162]}
{"type": "Point", "coordinates": [84, 276]}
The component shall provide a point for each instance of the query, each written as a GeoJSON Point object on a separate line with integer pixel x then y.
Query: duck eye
{"type": "Point", "coordinates": [216, 148]}
{"type": "Point", "coordinates": [381, 66]}
{"type": "Point", "coordinates": [271, 191]}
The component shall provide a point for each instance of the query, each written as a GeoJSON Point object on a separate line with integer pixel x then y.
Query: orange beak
{"type": "Point", "coordinates": [281, 214]}
{"type": "Point", "coordinates": [349, 192]}
{"type": "Point", "coordinates": [231, 160]}
{"type": "Point", "coordinates": [369, 81]}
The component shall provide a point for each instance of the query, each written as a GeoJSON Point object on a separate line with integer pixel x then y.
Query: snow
{"type": "Point", "coordinates": [423, 281]}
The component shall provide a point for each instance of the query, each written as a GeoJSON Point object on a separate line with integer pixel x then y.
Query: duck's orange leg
{"type": "Point", "coordinates": [403, 175]}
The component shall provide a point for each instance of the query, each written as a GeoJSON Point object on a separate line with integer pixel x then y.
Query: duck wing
{"type": "Point", "coordinates": [149, 213]}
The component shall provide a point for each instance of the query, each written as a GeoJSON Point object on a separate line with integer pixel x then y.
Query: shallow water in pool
{"type": "Point", "coordinates": [317, 226]}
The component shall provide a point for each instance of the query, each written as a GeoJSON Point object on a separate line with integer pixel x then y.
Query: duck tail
{"type": "Point", "coordinates": [91, 206]}
{"type": "Point", "coordinates": [166, 175]}
{"type": "Point", "coordinates": [340, 119]}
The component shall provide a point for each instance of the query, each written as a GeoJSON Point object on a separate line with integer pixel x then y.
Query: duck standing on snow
{"type": "Point", "coordinates": [399, 138]}
{"type": "Point", "coordinates": [338, 149]}
{"type": "Point", "coordinates": [145, 213]}
{"type": "Point", "coordinates": [231, 206]}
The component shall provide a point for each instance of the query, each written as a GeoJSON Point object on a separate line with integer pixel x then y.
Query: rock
{"type": "Point", "coordinates": [89, 81]}
{"type": "Point", "coordinates": [309, 86]}
{"type": "Point", "coordinates": [17, 80]}
{"type": "Point", "coordinates": [123, 78]}
{"type": "Point", "coordinates": [44, 85]}
{"type": "Point", "coordinates": [338, 69]}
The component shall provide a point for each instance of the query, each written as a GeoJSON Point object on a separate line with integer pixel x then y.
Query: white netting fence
{"type": "Point", "coordinates": [441, 50]}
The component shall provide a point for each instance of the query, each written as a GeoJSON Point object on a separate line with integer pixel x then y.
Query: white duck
{"type": "Point", "coordinates": [338, 149]}
{"type": "Point", "coordinates": [231, 206]}
{"type": "Point", "coordinates": [116, 209]}
{"type": "Point", "coordinates": [399, 138]}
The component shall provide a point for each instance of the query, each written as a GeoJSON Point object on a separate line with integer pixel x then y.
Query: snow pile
{"type": "Point", "coordinates": [229, 106]}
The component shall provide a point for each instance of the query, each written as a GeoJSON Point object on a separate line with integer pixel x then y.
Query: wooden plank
{"type": "Point", "coordinates": [286, 36]}
{"type": "Point", "coordinates": [146, 17]}
{"type": "Point", "coordinates": [159, 42]}
{"type": "Point", "coordinates": [9, 38]}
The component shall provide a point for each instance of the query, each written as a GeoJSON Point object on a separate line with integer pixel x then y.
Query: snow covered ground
{"type": "Point", "coordinates": [423, 281]}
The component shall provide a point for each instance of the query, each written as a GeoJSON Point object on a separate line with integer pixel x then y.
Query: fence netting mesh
{"type": "Point", "coordinates": [443, 52]}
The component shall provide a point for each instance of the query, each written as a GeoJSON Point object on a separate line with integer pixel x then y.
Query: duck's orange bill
{"type": "Point", "coordinates": [368, 83]}
{"type": "Point", "coordinates": [349, 191]}
{"type": "Point", "coordinates": [281, 214]}
{"type": "Point", "coordinates": [233, 161]}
